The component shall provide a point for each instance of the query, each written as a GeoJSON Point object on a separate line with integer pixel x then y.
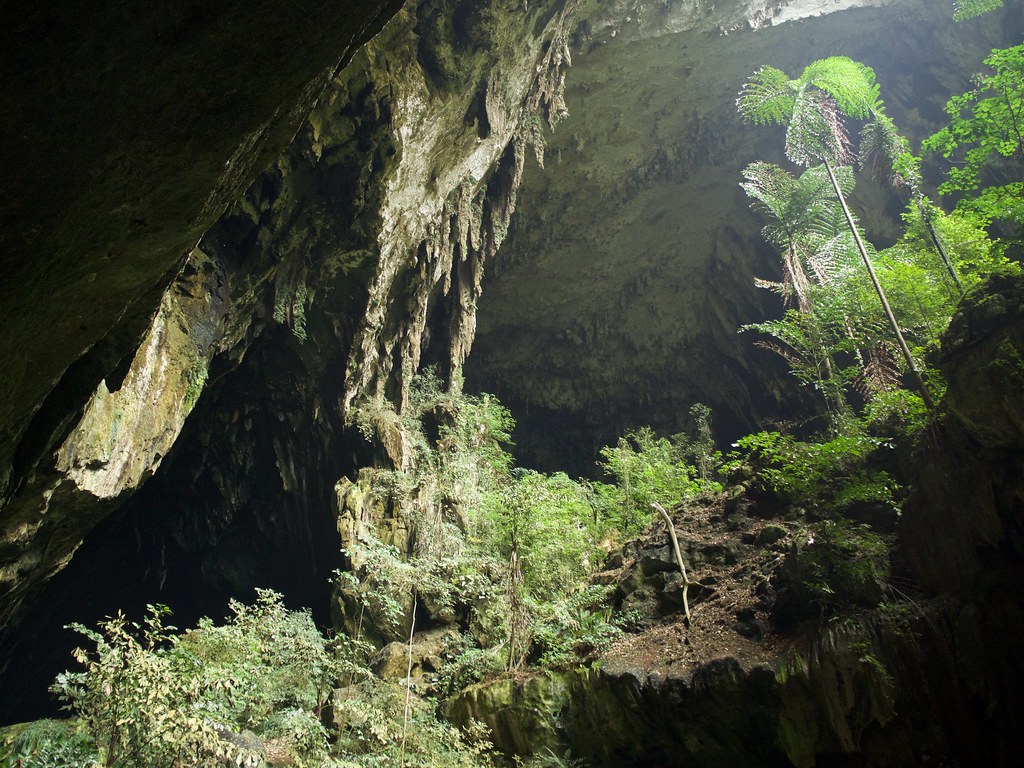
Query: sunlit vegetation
{"type": "Point", "coordinates": [503, 556]}
{"type": "Point", "coordinates": [857, 320]}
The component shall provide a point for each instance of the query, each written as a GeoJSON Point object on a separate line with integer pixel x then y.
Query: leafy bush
{"type": "Point", "coordinates": [826, 474]}
{"type": "Point", "coordinates": [150, 697]}
{"type": "Point", "coordinates": [275, 659]}
{"type": "Point", "coordinates": [466, 662]}
{"type": "Point", "coordinates": [838, 567]}
{"type": "Point", "coordinates": [371, 721]}
{"type": "Point", "coordinates": [46, 744]}
{"type": "Point", "coordinates": [983, 138]}
{"type": "Point", "coordinates": [646, 469]}
{"type": "Point", "coordinates": [134, 700]}
{"type": "Point", "coordinates": [574, 627]}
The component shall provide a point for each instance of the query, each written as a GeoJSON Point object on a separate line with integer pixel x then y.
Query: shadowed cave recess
{"type": "Point", "coordinates": [229, 234]}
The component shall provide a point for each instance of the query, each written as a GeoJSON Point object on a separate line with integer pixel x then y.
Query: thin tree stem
{"type": "Point", "coordinates": [679, 557]}
{"type": "Point", "coordinates": [918, 380]}
{"type": "Point", "coordinates": [408, 682]}
{"type": "Point", "coordinates": [937, 241]}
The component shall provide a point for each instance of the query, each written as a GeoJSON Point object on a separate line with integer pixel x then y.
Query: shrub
{"type": "Point", "coordinates": [840, 566]}
{"type": "Point", "coordinates": [647, 468]}
{"type": "Point", "coordinates": [150, 697]}
{"type": "Point", "coordinates": [46, 744]}
{"type": "Point", "coordinates": [828, 474]}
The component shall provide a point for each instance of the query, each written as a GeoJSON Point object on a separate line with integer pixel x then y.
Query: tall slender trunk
{"type": "Point", "coordinates": [937, 242]}
{"type": "Point", "coordinates": [925, 395]}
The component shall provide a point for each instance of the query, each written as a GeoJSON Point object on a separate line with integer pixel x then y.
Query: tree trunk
{"type": "Point", "coordinates": [937, 241]}
{"type": "Point", "coordinates": [929, 403]}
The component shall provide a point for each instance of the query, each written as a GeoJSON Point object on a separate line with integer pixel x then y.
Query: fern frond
{"type": "Point", "coordinates": [816, 132]}
{"type": "Point", "coordinates": [767, 97]}
{"type": "Point", "coordinates": [851, 84]}
{"type": "Point", "coordinates": [886, 155]}
{"type": "Point", "coordinates": [968, 9]}
{"type": "Point", "coordinates": [770, 186]}
{"type": "Point", "coordinates": [835, 257]}
{"type": "Point", "coordinates": [881, 372]}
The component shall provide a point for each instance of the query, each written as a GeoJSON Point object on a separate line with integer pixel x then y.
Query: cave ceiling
{"type": "Point", "coordinates": [632, 260]}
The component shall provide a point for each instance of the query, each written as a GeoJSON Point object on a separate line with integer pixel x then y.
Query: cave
{"type": "Point", "coordinates": [235, 239]}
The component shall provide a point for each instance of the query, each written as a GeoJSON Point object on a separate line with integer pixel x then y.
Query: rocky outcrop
{"type": "Point", "coordinates": [364, 242]}
{"type": "Point", "coordinates": [355, 258]}
{"type": "Point", "coordinates": [126, 132]}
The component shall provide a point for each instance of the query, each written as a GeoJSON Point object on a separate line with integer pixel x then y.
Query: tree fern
{"type": "Point", "coordinates": [767, 97]}
{"type": "Point", "coordinates": [816, 102]}
{"type": "Point", "coordinates": [816, 132]}
{"type": "Point", "coordinates": [851, 84]}
{"type": "Point", "coordinates": [804, 215]}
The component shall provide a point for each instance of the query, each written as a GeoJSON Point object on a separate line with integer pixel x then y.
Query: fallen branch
{"type": "Point", "coordinates": [679, 557]}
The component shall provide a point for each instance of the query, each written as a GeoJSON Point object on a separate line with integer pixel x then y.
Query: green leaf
{"type": "Point", "coordinates": [767, 97]}
{"type": "Point", "coordinates": [850, 83]}
{"type": "Point", "coordinates": [969, 9]}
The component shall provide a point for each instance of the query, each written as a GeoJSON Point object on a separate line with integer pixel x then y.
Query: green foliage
{"type": "Point", "coordinates": [290, 310]}
{"type": "Point", "coordinates": [700, 449]}
{"type": "Point", "coordinates": [371, 723]}
{"type": "Point", "coordinates": [825, 475]}
{"type": "Point", "coordinates": [466, 662]}
{"type": "Point", "coordinates": [805, 342]}
{"type": "Point", "coordinates": [197, 377]}
{"type": "Point", "coordinates": [840, 565]}
{"type": "Point", "coordinates": [132, 700]}
{"type": "Point", "coordinates": [768, 97]}
{"type": "Point", "coordinates": [150, 697]}
{"type": "Point", "coordinates": [523, 543]}
{"type": "Point", "coordinates": [546, 517]}
{"type": "Point", "coordinates": [836, 339]}
{"type": "Point", "coordinates": [851, 83]}
{"type": "Point", "coordinates": [380, 586]}
{"type": "Point", "coordinates": [275, 660]}
{"type": "Point", "coordinates": [811, 106]}
{"type": "Point", "coordinates": [984, 137]}
{"type": "Point", "coordinates": [969, 9]}
{"type": "Point", "coordinates": [646, 469]}
{"type": "Point", "coordinates": [46, 744]}
{"type": "Point", "coordinates": [896, 411]}
{"type": "Point", "coordinates": [574, 626]}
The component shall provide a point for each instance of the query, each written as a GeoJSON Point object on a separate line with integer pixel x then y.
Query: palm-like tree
{"type": "Point", "coordinates": [812, 109]}
{"type": "Point", "coordinates": [804, 223]}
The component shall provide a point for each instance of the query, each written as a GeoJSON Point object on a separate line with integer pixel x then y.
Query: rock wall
{"type": "Point", "coordinates": [356, 257]}
{"type": "Point", "coordinates": [125, 133]}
